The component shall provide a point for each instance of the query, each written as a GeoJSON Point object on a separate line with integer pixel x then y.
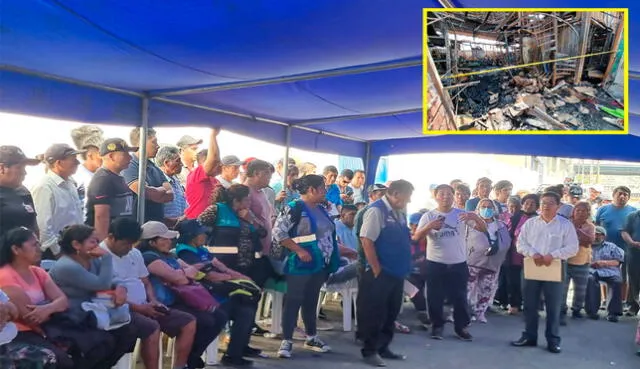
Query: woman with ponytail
{"type": "Point", "coordinates": [306, 240]}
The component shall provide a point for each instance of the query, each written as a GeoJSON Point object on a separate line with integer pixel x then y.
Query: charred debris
{"type": "Point", "coordinates": [497, 74]}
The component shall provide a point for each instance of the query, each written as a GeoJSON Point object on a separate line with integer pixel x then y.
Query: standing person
{"type": "Point", "coordinates": [578, 265]}
{"type": "Point", "coordinates": [461, 195]}
{"type": "Point", "coordinates": [333, 196]}
{"type": "Point", "coordinates": [487, 251]}
{"type": "Point", "coordinates": [201, 181]}
{"type": "Point", "coordinates": [157, 189]}
{"type": "Point", "coordinates": [307, 236]}
{"type": "Point", "coordinates": [357, 185]}
{"type": "Point", "coordinates": [502, 191]}
{"type": "Point", "coordinates": [631, 236]}
{"type": "Point", "coordinates": [307, 168]}
{"type": "Point", "coordinates": [613, 217]}
{"type": "Point", "coordinates": [343, 182]}
{"type": "Point", "coordinates": [188, 151]}
{"type": "Point", "coordinates": [88, 139]}
{"type": "Point", "coordinates": [512, 268]}
{"type": "Point", "coordinates": [108, 196]}
{"type": "Point", "coordinates": [418, 270]}
{"type": "Point", "coordinates": [229, 170]}
{"type": "Point", "coordinates": [168, 160]}
{"type": "Point", "coordinates": [575, 195]}
{"type": "Point", "coordinates": [287, 194]}
{"type": "Point", "coordinates": [16, 204]}
{"type": "Point", "coordinates": [56, 197]}
{"type": "Point", "coordinates": [447, 272]}
{"type": "Point", "coordinates": [565, 210]}
{"type": "Point", "coordinates": [545, 238]}
{"type": "Point", "coordinates": [258, 177]}
{"type": "Point", "coordinates": [482, 191]}
{"type": "Point", "coordinates": [279, 171]}
{"type": "Point", "coordinates": [386, 241]}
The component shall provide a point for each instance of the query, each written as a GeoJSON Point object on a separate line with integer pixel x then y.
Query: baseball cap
{"type": "Point", "coordinates": [596, 187]}
{"type": "Point", "coordinates": [155, 229]}
{"type": "Point", "coordinates": [115, 145]}
{"type": "Point", "coordinates": [12, 155]}
{"type": "Point", "coordinates": [189, 229]}
{"type": "Point", "coordinates": [575, 191]}
{"type": "Point", "coordinates": [376, 187]}
{"type": "Point", "coordinates": [60, 152]}
{"type": "Point", "coordinates": [601, 230]}
{"type": "Point", "coordinates": [187, 140]}
{"type": "Point", "coordinates": [231, 160]}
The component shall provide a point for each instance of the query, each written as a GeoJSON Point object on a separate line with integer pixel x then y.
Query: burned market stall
{"type": "Point", "coordinates": [506, 71]}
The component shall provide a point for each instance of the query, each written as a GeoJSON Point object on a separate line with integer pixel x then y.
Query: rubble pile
{"type": "Point", "coordinates": [527, 102]}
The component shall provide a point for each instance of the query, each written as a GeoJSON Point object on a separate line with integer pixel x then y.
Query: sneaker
{"type": "Point", "coordinates": [464, 334]}
{"type": "Point", "coordinates": [436, 333]}
{"type": "Point", "coordinates": [286, 347]}
{"type": "Point", "coordinates": [235, 361]}
{"type": "Point", "coordinates": [612, 318]}
{"type": "Point", "coordinates": [316, 344]}
{"type": "Point", "coordinates": [254, 352]}
{"type": "Point", "coordinates": [374, 360]}
{"type": "Point", "coordinates": [390, 355]}
{"type": "Point", "coordinates": [482, 318]}
{"type": "Point", "coordinates": [576, 314]}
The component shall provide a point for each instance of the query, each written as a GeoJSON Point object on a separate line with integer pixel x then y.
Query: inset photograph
{"type": "Point", "coordinates": [542, 71]}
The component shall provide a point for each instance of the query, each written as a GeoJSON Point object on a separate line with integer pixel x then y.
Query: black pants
{"type": "Point", "coordinates": [593, 296]}
{"type": "Point", "coordinates": [633, 278]}
{"type": "Point", "coordinates": [242, 315]}
{"type": "Point", "coordinates": [208, 327]}
{"type": "Point", "coordinates": [447, 280]}
{"type": "Point", "coordinates": [379, 302]}
{"type": "Point", "coordinates": [552, 292]}
{"type": "Point", "coordinates": [419, 279]}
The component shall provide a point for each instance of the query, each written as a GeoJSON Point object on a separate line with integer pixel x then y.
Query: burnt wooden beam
{"type": "Point", "coordinates": [614, 48]}
{"type": "Point", "coordinates": [586, 24]}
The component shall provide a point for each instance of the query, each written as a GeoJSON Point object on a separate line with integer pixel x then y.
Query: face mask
{"type": "Point", "coordinates": [486, 212]}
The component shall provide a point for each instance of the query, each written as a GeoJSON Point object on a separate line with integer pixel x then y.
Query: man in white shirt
{"type": "Point", "coordinates": [56, 197]}
{"type": "Point", "coordinates": [446, 267]}
{"type": "Point", "coordinates": [357, 185]}
{"type": "Point", "coordinates": [89, 138]}
{"type": "Point", "coordinates": [545, 238]}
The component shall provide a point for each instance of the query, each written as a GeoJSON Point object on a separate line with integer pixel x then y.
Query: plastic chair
{"type": "Point", "coordinates": [349, 293]}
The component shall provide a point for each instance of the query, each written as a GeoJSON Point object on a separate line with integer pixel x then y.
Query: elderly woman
{"type": "Point", "coordinates": [578, 265]}
{"type": "Point", "coordinates": [169, 161]}
{"type": "Point", "coordinates": [167, 271]}
{"type": "Point", "coordinates": [487, 251]}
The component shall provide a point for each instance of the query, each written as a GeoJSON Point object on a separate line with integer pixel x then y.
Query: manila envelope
{"type": "Point", "coordinates": [551, 273]}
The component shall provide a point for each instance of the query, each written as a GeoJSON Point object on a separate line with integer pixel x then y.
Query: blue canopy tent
{"type": "Point", "coordinates": [334, 76]}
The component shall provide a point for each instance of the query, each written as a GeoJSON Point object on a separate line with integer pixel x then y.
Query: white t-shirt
{"type": "Point", "coordinates": [446, 246]}
{"type": "Point", "coordinates": [128, 271]}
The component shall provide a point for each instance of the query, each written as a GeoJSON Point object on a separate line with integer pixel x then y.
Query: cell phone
{"type": "Point", "coordinates": [162, 309]}
{"type": "Point", "coordinates": [441, 218]}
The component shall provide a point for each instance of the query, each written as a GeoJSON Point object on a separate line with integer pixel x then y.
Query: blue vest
{"type": "Point", "coordinates": [393, 246]}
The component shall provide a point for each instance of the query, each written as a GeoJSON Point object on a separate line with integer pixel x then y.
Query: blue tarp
{"type": "Point", "coordinates": [348, 71]}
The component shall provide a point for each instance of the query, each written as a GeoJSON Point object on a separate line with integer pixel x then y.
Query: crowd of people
{"type": "Point", "coordinates": [83, 276]}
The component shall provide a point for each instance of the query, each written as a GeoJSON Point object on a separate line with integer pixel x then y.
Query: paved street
{"type": "Point", "coordinates": [586, 345]}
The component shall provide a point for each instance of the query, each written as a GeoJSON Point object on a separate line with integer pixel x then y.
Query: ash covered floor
{"type": "Point", "coordinates": [519, 101]}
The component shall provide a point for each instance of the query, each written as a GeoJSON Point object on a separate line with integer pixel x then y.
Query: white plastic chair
{"type": "Point", "coordinates": [277, 305]}
{"type": "Point", "coordinates": [349, 293]}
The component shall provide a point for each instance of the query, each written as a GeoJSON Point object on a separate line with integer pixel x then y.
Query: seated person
{"type": "Point", "coordinates": [16, 355]}
{"type": "Point", "coordinates": [31, 290]}
{"type": "Point", "coordinates": [148, 315]}
{"type": "Point", "coordinates": [191, 250]}
{"type": "Point", "coordinates": [165, 271]}
{"type": "Point", "coordinates": [605, 267]}
{"type": "Point", "coordinates": [348, 244]}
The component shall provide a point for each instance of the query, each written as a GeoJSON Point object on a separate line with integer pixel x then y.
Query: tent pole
{"type": "Point", "coordinates": [285, 162]}
{"type": "Point", "coordinates": [142, 156]}
{"type": "Point", "coordinates": [367, 157]}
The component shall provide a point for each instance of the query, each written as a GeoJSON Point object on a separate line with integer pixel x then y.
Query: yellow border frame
{"type": "Point", "coordinates": [425, 74]}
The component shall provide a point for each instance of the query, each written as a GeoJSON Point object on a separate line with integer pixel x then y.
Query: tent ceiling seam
{"type": "Point", "coordinates": [336, 119]}
{"type": "Point", "coordinates": [111, 34]}
{"type": "Point", "coordinates": [308, 91]}
{"type": "Point", "coordinates": [328, 73]}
